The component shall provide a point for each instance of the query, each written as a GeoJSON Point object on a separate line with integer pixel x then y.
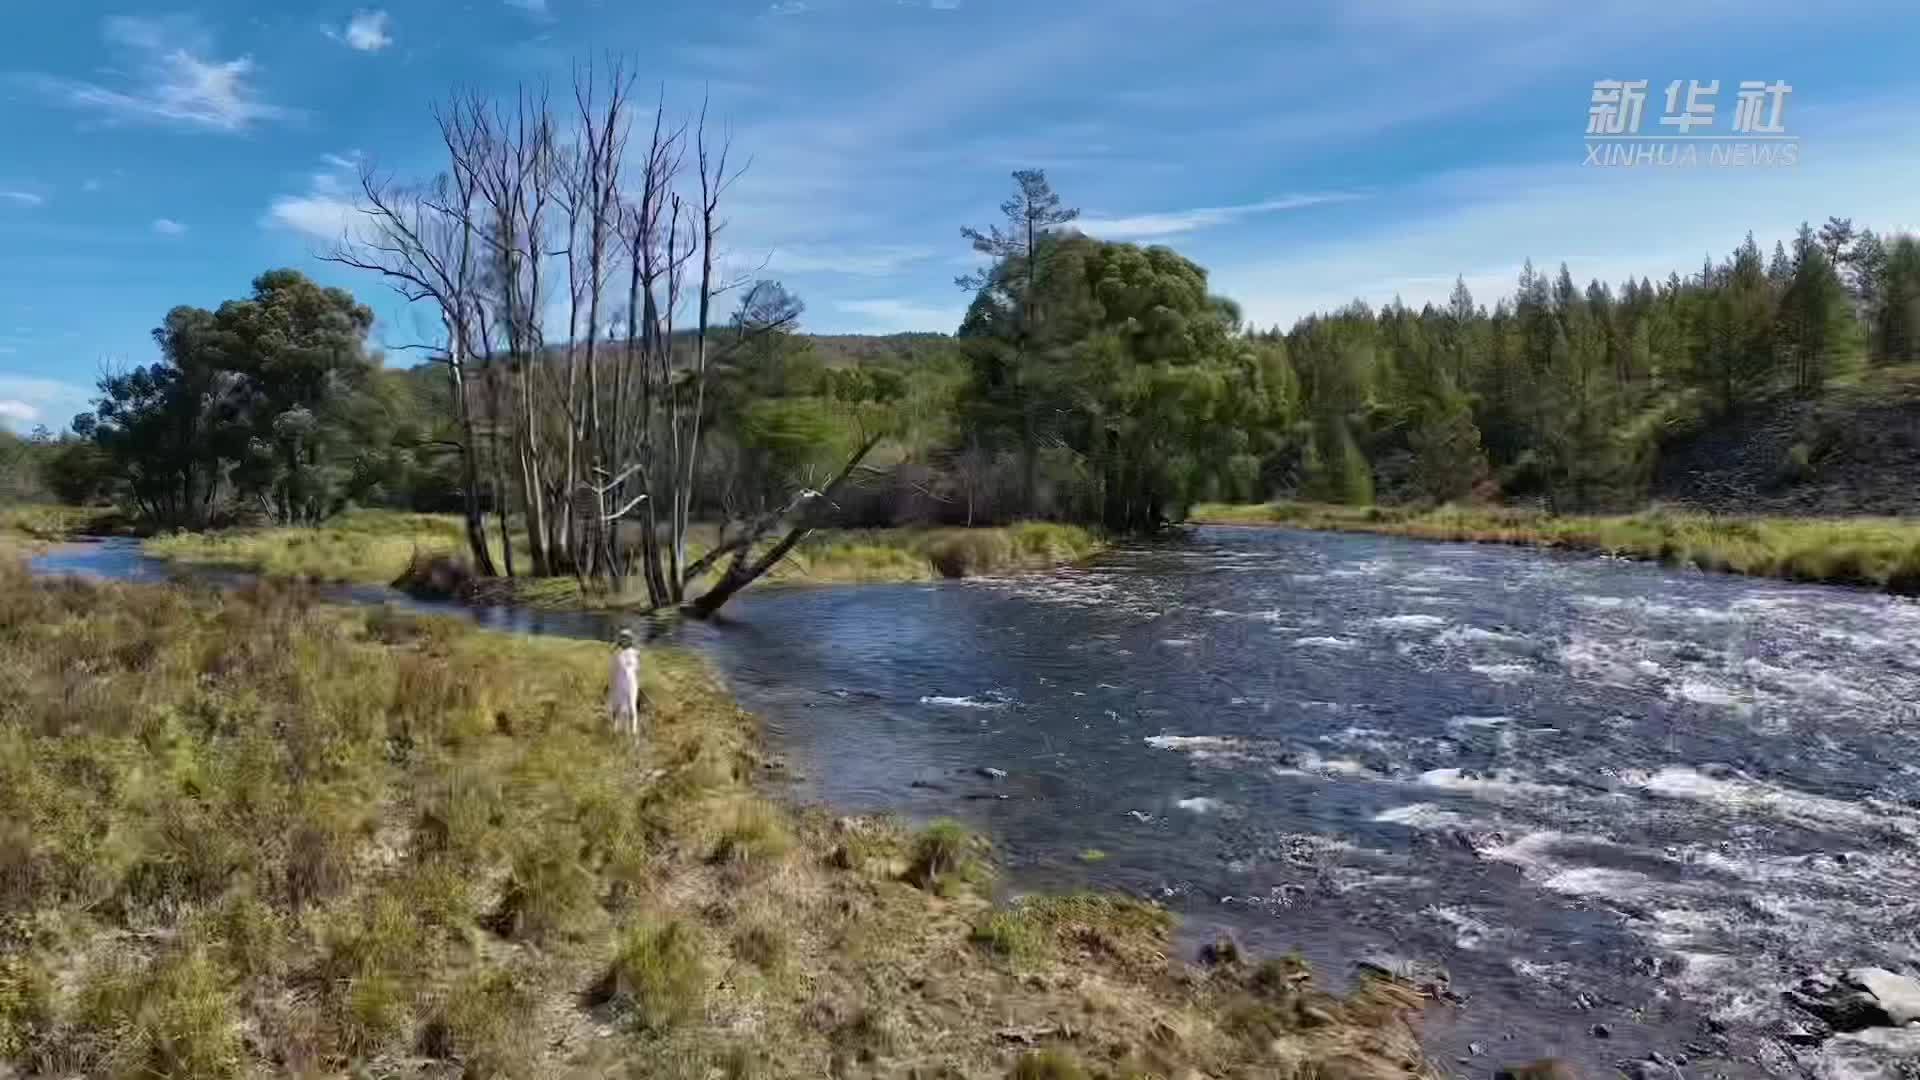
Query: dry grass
{"type": "Point", "coordinates": [377, 547]}
{"type": "Point", "coordinates": [1881, 553]}
{"type": "Point", "coordinates": [247, 834]}
{"type": "Point", "coordinates": [365, 547]}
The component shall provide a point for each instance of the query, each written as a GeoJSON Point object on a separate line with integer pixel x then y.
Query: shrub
{"type": "Point", "coordinates": [658, 977]}
{"type": "Point", "coordinates": [757, 833]}
{"type": "Point", "coordinates": [946, 858]}
{"type": "Point", "coordinates": [483, 1022]}
{"type": "Point", "coordinates": [1797, 465]}
{"type": "Point", "coordinates": [762, 945]}
{"type": "Point", "coordinates": [246, 934]}
{"type": "Point", "coordinates": [549, 892]}
{"type": "Point", "coordinates": [371, 956]}
{"type": "Point", "coordinates": [969, 552]}
{"type": "Point", "coordinates": [26, 1005]}
{"type": "Point", "coordinates": [172, 1018]}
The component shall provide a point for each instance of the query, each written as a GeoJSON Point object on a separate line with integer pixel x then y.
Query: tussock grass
{"type": "Point", "coordinates": [55, 521]}
{"type": "Point", "coordinates": [755, 833]}
{"type": "Point", "coordinates": [1881, 553]}
{"type": "Point", "coordinates": [380, 547]}
{"type": "Point", "coordinates": [245, 833]}
{"type": "Point", "coordinates": [369, 547]}
{"type": "Point", "coordinates": [1038, 929]}
{"type": "Point", "coordinates": [658, 978]}
{"type": "Point", "coordinates": [947, 857]}
{"type": "Point", "coordinates": [1048, 1065]}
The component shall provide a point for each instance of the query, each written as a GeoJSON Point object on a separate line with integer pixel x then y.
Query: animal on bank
{"type": "Point", "coordinates": [623, 685]}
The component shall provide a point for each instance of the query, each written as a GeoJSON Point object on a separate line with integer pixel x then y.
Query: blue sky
{"type": "Point", "coordinates": [1306, 153]}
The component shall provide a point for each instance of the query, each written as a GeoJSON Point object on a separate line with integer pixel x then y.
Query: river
{"type": "Point", "coordinates": [1597, 792]}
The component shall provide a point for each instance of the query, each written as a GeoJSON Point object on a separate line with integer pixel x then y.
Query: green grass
{"type": "Point", "coordinates": [1881, 553]}
{"type": "Point", "coordinates": [1043, 928]}
{"type": "Point", "coordinates": [246, 833]}
{"type": "Point", "coordinates": [658, 979]}
{"type": "Point", "coordinates": [365, 547]}
{"type": "Point", "coordinates": [377, 546]}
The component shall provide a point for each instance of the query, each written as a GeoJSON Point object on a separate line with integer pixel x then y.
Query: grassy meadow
{"type": "Point", "coordinates": [246, 834]}
{"type": "Point", "coordinates": [1882, 553]}
{"type": "Point", "coordinates": [374, 547]}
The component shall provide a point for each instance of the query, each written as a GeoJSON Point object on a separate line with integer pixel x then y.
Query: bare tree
{"type": "Point", "coordinates": [600, 431]}
{"type": "Point", "coordinates": [422, 242]}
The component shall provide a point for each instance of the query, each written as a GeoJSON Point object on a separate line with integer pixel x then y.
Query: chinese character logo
{"type": "Point", "coordinates": [1699, 105]}
{"type": "Point", "coordinates": [1757, 97]}
{"type": "Point", "coordinates": [1616, 107]}
{"type": "Point", "coordinates": [1685, 136]}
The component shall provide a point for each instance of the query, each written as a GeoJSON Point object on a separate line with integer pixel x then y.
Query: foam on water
{"type": "Point", "coordinates": [1325, 642]}
{"type": "Point", "coordinates": [990, 700]}
{"type": "Point", "coordinates": [1410, 622]}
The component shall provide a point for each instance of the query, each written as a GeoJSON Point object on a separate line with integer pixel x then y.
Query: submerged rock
{"type": "Point", "coordinates": [1843, 1007]}
{"type": "Point", "coordinates": [1543, 1069]}
{"type": "Point", "coordinates": [1874, 1054]}
{"type": "Point", "coordinates": [1897, 995]}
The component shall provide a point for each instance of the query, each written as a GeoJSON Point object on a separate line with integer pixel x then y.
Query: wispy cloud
{"type": "Point", "coordinates": [887, 315]}
{"type": "Point", "coordinates": [874, 261]}
{"type": "Point", "coordinates": [325, 211]}
{"type": "Point", "coordinates": [1176, 222]}
{"type": "Point", "coordinates": [17, 414]}
{"type": "Point", "coordinates": [367, 31]}
{"type": "Point", "coordinates": [21, 198]}
{"type": "Point", "coordinates": [537, 8]}
{"type": "Point", "coordinates": [324, 217]}
{"type": "Point", "coordinates": [91, 183]}
{"type": "Point", "coordinates": [173, 78]}
{"type": "Point", "coordinates": [168, 227]}
{"type": "Point", "coordinates": [787, 7]}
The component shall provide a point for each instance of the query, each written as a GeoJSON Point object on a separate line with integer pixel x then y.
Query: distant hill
{"type": "Point", "coordinates": [846, 350]}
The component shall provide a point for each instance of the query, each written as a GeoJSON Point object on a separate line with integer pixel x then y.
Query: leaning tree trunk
{"type": "Point", "coordinates": [744, 569]}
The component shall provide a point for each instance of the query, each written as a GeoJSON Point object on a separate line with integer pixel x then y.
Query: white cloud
{"type": "Point", "coordinates": [327, 210]}
{"type": "Point", "coordinates": [531, 7]}
{"type": "Point", "coordinates": [173, 79]}
{"type": "Point", "coordinates": [888, 315]}
{"type": "Point", "coordinates": [22, 198]}
{"type": "Point", "coordinates": [367, 31]}
{"type": "Point", "coordinates": [874, 261]}
{"type": "Point", "coordinates": [1175, 222]}
{"type": "Point", "coordinates": [324, 217]}
{"type": "Point", "coordinates": [168, 227]}
{"type": "Point", "coordinates": [26, 401]}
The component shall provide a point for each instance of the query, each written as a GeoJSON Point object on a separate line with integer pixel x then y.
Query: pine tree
{"type": "Point", "coordinates": [1817, 327]}
{"type": "Point", "coordinates": [1896, 318]}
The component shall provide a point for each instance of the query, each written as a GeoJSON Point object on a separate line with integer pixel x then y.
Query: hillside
{"type": "Point", "coordinates": [1854, 451]}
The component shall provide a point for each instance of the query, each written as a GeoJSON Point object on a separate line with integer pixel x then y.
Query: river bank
{"type": "Point", "coordinates": [1881, 553]}
{"type": "Point", "coordinates": [247, 831]}
{"type": "Point", "coordinates": [377, 547]}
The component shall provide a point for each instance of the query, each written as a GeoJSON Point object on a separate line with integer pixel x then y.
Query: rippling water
{"type": "Point", "coordinates": [1597, 792]}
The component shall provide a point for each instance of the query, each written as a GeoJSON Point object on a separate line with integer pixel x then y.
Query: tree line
{"type": "Point", "coordinates": [599, 379]}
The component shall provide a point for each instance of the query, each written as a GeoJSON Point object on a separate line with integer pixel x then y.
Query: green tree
{"type": "Point", "coordinates": [1817, 329]}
